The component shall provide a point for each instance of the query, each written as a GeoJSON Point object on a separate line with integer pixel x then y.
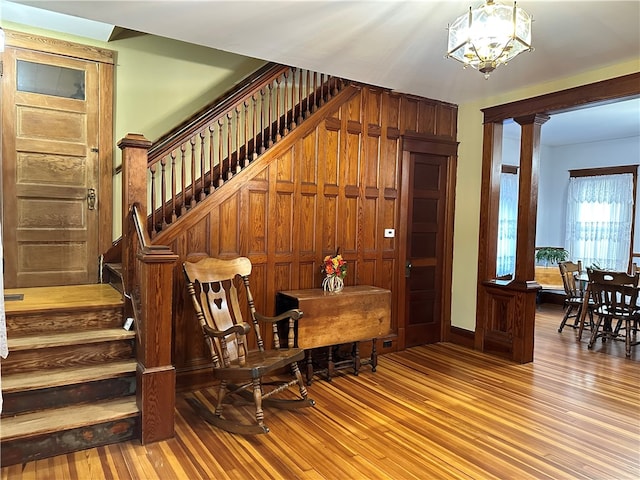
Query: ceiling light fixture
{"type": "Point", "coordinates": [489, 35]}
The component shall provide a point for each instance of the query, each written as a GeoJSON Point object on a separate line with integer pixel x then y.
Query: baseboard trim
{"type": "Point", "coordinates": [461, 336]}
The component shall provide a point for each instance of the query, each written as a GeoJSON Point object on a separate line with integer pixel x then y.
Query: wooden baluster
{"type": "Point", "coordinates": [285, 127]}
{"type": "Point", "coordinates": [255, 126]}
{"type": "Point", "coordinates": [163, 193]}
{"type": "Point", "coordinates": [307, 110]}
{"type": "Point", "coordinates": [229, 150]}
{"type": "Point", "coordinates": [263, 143]}
{"type": "Point", "coordinates": [193, 172]}
{"type": "Point", "coordinates": [314, 107]}
{"type": "Point", "coordinates": [152, 169]}
{"type": "Point", "coordinates": [202, 166]}
{"type": "Point", "coordinates": [211, 158]}
{"type": "Point", "coordinates": [336, 86]}
{"type": "Point", "coordinates": [220, 154]}
{"type": "Point", "coordinates": [238, 149]}
{"type": "Point", "coordinates": [321, 89]}
{"type": "Point", "coordinates": [277, 119]}
{"type": "Point", "coordinates": [174, 203]}
{"type": "Point", "coordinates": [246, 134]}
{"type": "Point", "coordinates": [183, 179]}
{"type": "Point", "coordinates": [300, 94]}
{"type": "Point", "coordinates": [270, 115]}
{"type": "Point", "coordinates": [293, 98]}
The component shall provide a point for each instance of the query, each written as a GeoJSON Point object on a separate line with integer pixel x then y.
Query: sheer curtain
{"type": "Point", "coordinates": [507, 224]}
{"type": "Point", "coordinates": [599, 218]}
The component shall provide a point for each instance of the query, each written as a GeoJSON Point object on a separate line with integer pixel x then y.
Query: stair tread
{"type": "Point", "coordinates": [59, 419]}
{"type": "Point", "coordinates": [31, 342]}
{"type": "Point", "coordinates": [70, 297]}
{"type": "Point", "coordinates": [67, 376]}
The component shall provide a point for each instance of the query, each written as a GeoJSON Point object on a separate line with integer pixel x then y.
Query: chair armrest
{"type": "Point", "coordinates": [290, 315]}
{"type": "Point", "coordinates": [293, 314]}
{"type": "Point", "coordinates": [237, 329]}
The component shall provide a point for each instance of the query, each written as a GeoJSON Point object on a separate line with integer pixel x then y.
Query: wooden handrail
{"type": "Point", "coordinates": [201, 154]}
{"type": "Point", "coordinates": [215, 109]}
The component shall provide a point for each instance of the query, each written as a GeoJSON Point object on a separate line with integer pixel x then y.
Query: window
{"type": "Point", "coordinates": [50, 80]}
{"type": "Point", "coordinates": [507, 222]}
{"type": "Point", "coordinates": [600, 212]}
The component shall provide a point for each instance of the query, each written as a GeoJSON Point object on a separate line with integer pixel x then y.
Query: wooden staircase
{"type": "Point", "coordinates": [69, 381]}
{"type": "Point", "coordinates": [75, 378]}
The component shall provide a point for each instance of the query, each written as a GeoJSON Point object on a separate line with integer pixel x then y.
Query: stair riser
{"type": "Point", "coordinates": [57, 443]}
{"type": "Point", "coordinates": [113, 277]}
{"type": "Point", "coordinates": [67, 356]}
{"type": "Point", "coordinates": [34, 400]}
{"type": "Point", "coordinates": [56, 322]}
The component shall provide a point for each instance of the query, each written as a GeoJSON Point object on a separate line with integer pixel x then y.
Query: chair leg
{"type": "Point", "coordinates": [222, 391]}
{"type": "Point", "coordinates": [567, 312]}
{"type": "Point", "coordinates": [627, 337]}
{"type": "Point", "coordinates": [576, 322]}
{"type": "Point", "coordinates": [594, 333]}
{"type": "Point", "coordinates": [298, 375]}
{"type": "Point", "coordinates": [257, 399]}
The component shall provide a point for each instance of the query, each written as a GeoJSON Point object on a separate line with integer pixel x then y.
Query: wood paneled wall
{"type": "Point", "coordinates": [332, 183]}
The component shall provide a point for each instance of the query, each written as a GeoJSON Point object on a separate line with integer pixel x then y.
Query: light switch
{"type": "Point", "coordinates": [389, 233]}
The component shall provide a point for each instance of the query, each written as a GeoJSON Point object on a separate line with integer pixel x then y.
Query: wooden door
{"type": "Point", "coordinates": [50, 169]}
{"type": "Point", "coordinates": [425, 255]}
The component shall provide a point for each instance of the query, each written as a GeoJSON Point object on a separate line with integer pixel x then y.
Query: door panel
{"type": "Point", "coordinates": [50, 162]}
{"type": "Point", "coordinates": [425, 248]}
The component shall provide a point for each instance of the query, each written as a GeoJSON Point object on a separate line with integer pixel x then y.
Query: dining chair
{"type": "Point", "coordinates": [616, 301]}
{"type": "Point", "coordinates": [574, 294]}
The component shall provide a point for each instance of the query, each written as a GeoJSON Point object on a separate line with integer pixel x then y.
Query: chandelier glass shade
{"type": "Point", "coordinates": [489, 35]}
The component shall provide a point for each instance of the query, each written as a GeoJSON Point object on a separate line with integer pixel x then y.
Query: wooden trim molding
{"type": "Point", "coordinates": [605, 91]}
{"type": "Point", "coordinates": [59, 47]}
{"type": "Point", "coordinates": [594, 172]}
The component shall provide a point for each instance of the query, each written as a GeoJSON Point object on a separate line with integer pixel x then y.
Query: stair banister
{"type": "Point", "coordinates": [147, 273]}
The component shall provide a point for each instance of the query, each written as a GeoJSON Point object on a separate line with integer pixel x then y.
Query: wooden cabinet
{"type": "Point", "coordinates": [352, 315]}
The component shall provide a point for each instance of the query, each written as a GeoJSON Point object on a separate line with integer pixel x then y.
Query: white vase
{"type": "Point", "coordinates": [332, 283]}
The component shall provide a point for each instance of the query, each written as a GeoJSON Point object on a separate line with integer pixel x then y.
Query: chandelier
{"type": "Point", "coordinates": [489, 35]}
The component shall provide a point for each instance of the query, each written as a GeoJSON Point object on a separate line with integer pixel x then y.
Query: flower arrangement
{"type": "Point", "coordinates": [335, 269]}
{"type": "Point", "coordinates": [335, 265]}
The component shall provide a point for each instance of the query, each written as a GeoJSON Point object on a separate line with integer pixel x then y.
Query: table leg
{"type": "Point", "coordinates": [584, 309]}
{"type": "Point", "coordinates": [356, 358]}
{"type": "Point", "coordinates": [374, 356]}
{"type": "Point", "coordinates": [309, 367]}
{"type": "Point", "coordinates": [330, 365]}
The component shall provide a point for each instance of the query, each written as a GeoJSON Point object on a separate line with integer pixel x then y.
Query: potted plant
{"type": "Point", "coordinates": [548, 274]}
{"type": "Point", "coordinates": [551, 255]}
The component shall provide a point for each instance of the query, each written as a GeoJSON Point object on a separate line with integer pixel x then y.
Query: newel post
{"type": "Point", "coordinates": [148, 279]}
{"type": "Point", "coordinates": [134, 191]}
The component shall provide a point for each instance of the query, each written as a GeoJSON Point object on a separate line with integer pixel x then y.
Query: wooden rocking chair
{"type": "Point", "coordinates": [212, 285]}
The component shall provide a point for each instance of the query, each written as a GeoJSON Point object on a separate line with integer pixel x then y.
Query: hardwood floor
{"type": "Point", "coordinates": [430, 412]}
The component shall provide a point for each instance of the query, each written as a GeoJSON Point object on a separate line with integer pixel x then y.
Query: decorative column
{"type": "Point", "coordinates": [524, 282]}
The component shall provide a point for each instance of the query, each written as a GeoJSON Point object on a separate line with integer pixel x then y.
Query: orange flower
{"type": "Point", "coordinates": [334, 265]}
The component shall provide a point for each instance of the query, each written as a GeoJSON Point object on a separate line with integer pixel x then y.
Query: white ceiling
{"type": "Point", "coordinates": [393, 43]}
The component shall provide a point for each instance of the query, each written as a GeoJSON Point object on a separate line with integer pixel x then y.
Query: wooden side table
{"type": "Point", "coordinates": [355, 314]}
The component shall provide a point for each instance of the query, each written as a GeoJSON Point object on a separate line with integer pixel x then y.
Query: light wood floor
{"type": "Point", "coordinates": [431, 412]}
